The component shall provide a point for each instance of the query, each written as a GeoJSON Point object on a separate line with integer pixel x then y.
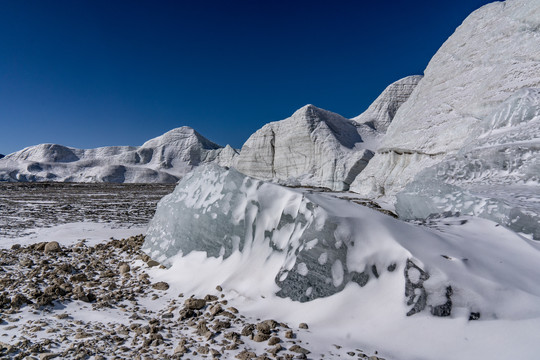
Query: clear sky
{"type": "Point", "coordinates": [94, 73]}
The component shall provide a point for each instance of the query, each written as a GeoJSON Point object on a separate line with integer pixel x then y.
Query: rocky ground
{"type": "Point", "coordinates": [98, 302]}
{"type": "Point", "coordinates": [25, 206]}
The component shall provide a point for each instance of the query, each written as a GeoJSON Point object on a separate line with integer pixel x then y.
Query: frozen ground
{"type": "Point", "coordinates": [128, 314]}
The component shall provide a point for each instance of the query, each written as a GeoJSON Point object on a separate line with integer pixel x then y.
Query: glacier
{"type": "Point", "coordinates": [318, 148]}
{"type": "Point", "coordinates": [313, 147]}
{"type": "Point", "coordinates": [496, 175]}
{"type": "Point", "coordinates": [311, 245]}
{"type": "Point", "coordinates": [491, 55]}
{"type": "Point", "coordinates": [381, 112]}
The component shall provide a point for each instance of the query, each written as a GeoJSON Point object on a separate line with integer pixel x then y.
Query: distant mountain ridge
{"type": "Point", "coordinates": [163, 159]}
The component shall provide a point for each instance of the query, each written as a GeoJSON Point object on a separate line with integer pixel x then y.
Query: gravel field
{"type": "Point", "coordinates": [25, 206]}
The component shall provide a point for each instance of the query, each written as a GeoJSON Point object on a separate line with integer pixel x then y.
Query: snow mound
{"type": "Point", "coordinates": [313, 147]}
{"type": "Point", "coordinates": [494, 53]}
{"type": "Point", "coordinates": [164, 159]}
{"type": "Point", "coordinates": [496, 175]}
{"type": "Point", "coordinates": [270, 240]}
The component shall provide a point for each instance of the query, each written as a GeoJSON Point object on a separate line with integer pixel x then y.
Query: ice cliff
{"type": "Point", "coordinates": [313, 147]}
{"type": "Point", "coordinates": [381, 112]}
{"type": "Point", "coordinates": [311, 245]}
{"type": "Point", "coordinates": [496, 174]}
{"type": "Point", "coordinates": [162, 159]}
{"type": "Point", "coordinates": [493, 54]}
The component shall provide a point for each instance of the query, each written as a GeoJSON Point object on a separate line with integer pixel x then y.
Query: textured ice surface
{"type": "Point", "coordinates": [496, 175]}
{"type": "Point", "coordinates": [381, 112]}
{"type": "Point", "coordinates": [494, 53]}
{"type": "Point", "coordinates": [313, 147]}
{"type": "Point", "coordinates": [304, 245]}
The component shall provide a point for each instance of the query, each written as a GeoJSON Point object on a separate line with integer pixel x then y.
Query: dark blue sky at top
{"type": "Point", "coordinates": [97, 73]}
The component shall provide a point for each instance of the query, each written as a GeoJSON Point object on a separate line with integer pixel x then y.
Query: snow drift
{"type": "Point", "coordinates": [311, 245]}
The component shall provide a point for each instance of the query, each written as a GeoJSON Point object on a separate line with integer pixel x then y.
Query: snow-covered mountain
{"type": "Point", "coordinates": [163, 159]}
{"type": "Point", "coordinates": [493, 54]}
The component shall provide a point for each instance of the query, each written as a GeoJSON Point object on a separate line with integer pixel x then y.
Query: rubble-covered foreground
{"type": "Point", "coordinates": [98, 302]}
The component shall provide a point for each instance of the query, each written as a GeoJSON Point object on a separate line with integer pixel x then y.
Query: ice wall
{"type": "Point", "coordinates": [494, 53]}
{"type": "Point", "coordinates": [313, 147]}
{"type": "Point", "coordinates": [496, 175]}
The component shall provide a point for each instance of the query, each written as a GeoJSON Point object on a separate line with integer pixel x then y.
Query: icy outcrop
{"type": "Point", "coordinates": [496, 175]}
{"type": "Point", "coordinates": [381, 112]}
{"type": "Point", "coordinates": [223, 157]}
{"type": "Point", "coordinates": [313, 147]}
{"type": "Point", "coordinates": [163, 159]}
{"type": "Point", "coordinates": [494, 53]}
{"type": "Point", "coordinates": [309, 245]}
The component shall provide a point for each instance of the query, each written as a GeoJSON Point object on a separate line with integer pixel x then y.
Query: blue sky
{"type": "Point", "coordinates": [97, 73]}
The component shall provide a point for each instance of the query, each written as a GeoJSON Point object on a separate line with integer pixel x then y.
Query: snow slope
{"type": "Point", "coordinates": [355, 274]}
{"type": "Point", "coordinates": [494, 53]}
{"type": "Point", "coordinates": [162, 159]}
{"type": "Point", "coordinates": [314, 245]}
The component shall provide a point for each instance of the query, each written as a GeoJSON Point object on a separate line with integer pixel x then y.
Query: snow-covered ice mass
{"type": "Point", "coordinates": [411, 231]}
